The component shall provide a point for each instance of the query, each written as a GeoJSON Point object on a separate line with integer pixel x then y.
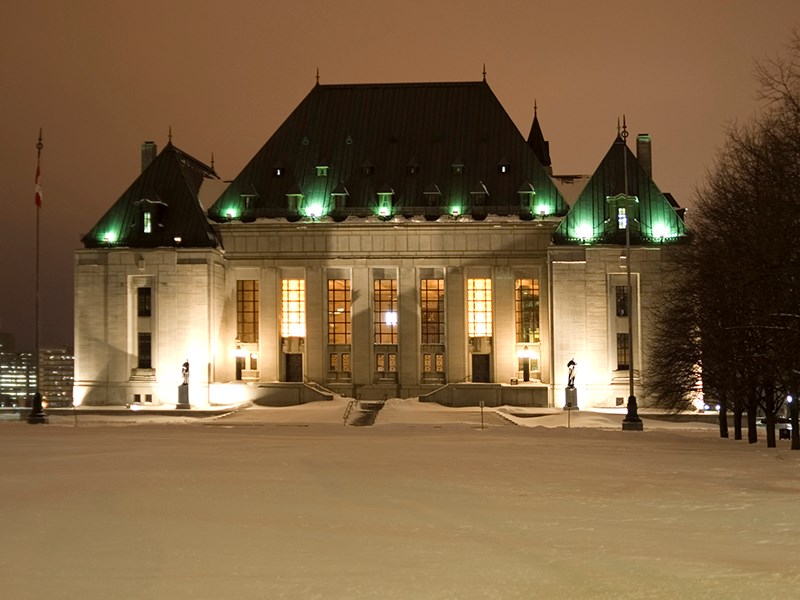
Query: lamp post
{"type": "Point", "coordinates": [631, 422]}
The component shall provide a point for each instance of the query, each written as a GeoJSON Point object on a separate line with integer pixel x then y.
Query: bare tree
{"type": "Point", "coordinates": [739, 330]}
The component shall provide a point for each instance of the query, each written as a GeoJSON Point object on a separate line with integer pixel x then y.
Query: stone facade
{"type": "Point", "coordinates": [375, 253]}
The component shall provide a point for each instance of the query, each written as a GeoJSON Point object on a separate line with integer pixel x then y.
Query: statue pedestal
{"type": "Point", "coordinates": [571, 398]}
{"type": "Point", "coordinates": [183, 396]}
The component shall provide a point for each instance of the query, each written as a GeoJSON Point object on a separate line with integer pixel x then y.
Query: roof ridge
{"type": "Point", "coordinates": [400, 85]}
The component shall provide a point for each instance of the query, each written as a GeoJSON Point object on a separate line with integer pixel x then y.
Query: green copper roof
{"type": "Point", "coordinates": [386, 149]}
{"type": "Point", "coordinates": [160, 208]}
{"type": "Point", "coordinates": [601, 212]}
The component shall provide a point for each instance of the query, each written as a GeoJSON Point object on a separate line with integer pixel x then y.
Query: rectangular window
{"type": "Point", "coordinates": [339, 324]}
{"type": "Point", "coordinates": [526, 310]}
{"type": "Point", "coordinates": [143, 351]}
{"type": "Point", "coordinates": [479, 307]}
{"type": "Point", "coordinates": [622, 217]}
{"type": "Point", "coordinates": [384, 307]}
{"type": "Point", "coordinates": [144, 296]}
{"type": "Point", "coordinates": [247, 311]}
{"type": "Point", "coordinates": [431, 301]}
{"type": "Point", "coordinates": [622, 300]}
{"type": "Point", "coordinates": [147, 222]}
{"type": "Point", "coordinates": [380, 362]}
{"type": "Point", "coordinates": [293, 308]}
{"type": "Point", "coordinates": [333, 362]}
{"type": "Point", "coordinates": [392, 362]}
{"type": "Point", "coordinates": [427, 363]}
{"type": "Point", "coordinates": [346, 362]}
{"type": "Point", "coordinates": [440, 363]}
{"type": "Point", "coordinates": [623, 352]}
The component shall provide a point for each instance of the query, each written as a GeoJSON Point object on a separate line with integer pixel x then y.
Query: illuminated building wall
{"type": "Point", "coordinates": [56, 375]}
{"type": "Point", "coordinates": [17, 378]}
{"type": "Point", "coordinates": [376, 253]}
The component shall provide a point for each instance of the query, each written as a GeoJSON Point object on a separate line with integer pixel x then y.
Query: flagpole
{"type": "Point", "coordinates": [38, 200]}
{"type": "Point", "coordinates": [37, 414]}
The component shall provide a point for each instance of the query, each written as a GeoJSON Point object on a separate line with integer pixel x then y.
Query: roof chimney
{"type": "Point", "coordinates": [149, 152]}
{"type": "Point", "coordinates": [643, 153]}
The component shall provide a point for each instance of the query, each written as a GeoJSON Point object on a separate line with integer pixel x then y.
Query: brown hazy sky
{"type": "Point", "coordinates": [101, 76]}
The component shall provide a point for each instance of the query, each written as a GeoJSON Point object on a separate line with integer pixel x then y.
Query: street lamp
{"type": "Point", "coordinates": [631, 422]}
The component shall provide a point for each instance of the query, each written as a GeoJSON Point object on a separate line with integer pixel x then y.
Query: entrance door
{"type": "Point", "coordinates": [480, 368]}
{"type": "Point", "coordinates": [294, 367]}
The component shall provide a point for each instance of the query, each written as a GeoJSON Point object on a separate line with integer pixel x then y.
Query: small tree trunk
{"type": "Point", "coordinates": [794, 411]}
{"type": "Point", "coordinates": [752, 412]}
{"type": "Point", "coordinates": [769, 409]}
{"type": "Point", "coordinates": [723, 419]}
{"type": "Point", "coordinates": [737, 422]}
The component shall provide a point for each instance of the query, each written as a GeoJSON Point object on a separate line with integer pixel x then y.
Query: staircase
{"type": "Point", "coordinates": [362, 413]}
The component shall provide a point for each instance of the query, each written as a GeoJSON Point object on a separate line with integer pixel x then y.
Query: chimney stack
{"type": "Point", "coordinates": [643, 153]}
{"type": "Point", "coordinates": [149, 152]}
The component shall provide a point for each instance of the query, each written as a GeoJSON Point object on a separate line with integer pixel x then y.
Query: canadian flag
{"type": "Point", "coordinates": [37, 189]}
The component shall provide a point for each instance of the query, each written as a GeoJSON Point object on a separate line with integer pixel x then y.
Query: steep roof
{"type": "Point", "coordinates": [540, 146]}
{"type": "Point", "coordinates": [600, 208]}
{"type": "Point", "coordinates": [160, 208]}
{"type": "Point", "coordinates": [350, 149]}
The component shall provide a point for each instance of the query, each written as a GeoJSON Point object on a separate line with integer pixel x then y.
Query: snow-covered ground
{"type": "Point", "coordinates": [290, 503]}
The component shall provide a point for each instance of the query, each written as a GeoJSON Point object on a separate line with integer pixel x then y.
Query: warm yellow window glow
{"type": "Point", "coordinates": [479, 307]}
{"type": "Point", "coordinates": [432, 310]}
{"type": "Point", "coordinates": [526, 309]}
{"type": "Point", "coordinates": [247, 310]}
{"type": "Point", "coordinates": [384, 304]}
{"type": "Point", "coordinates": [293, 308]}
{"type": "Point", "coordinates": [339, 322]}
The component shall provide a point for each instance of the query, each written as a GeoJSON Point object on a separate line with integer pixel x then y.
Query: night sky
{"type": "Point", "coordinates": [100, 77]}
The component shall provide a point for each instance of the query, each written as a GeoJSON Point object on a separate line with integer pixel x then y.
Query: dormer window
{"type": "Point", "coordinates": [622, 217]}
{"type": "Point", "coordinates": [457, 167]}
{"type": "Point", "coordinates": [151, 214]}
{"type": "Point", "coordinates": [278, 171]}
{"type": "Point", "coordinates": [622, 212]}
{"type": "Point", "coordinates": [432, 195]}
{"type": "Point", "coordinates": [367, 168]}
{"type": "Point", "coordinates": [340, 194]}
{"type": "Point", "coordinates": [248, 200]}
{"type": "Point", "coordinates": [479, 193]}
{"type": "Point", "coordinates": [412, 168]}
{"type": "Point", "coordinates": [322, 171]}
{"type": "Point", "coordinates": [294, 198]}
{"type": "Point", "coordinates": [503, 167]}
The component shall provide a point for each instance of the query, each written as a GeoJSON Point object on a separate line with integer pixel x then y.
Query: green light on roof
{"type": "Point", "coordinates": [314, 210]}
{"type": "Point", "coordinates": [662, 231]}
{"type": "Point", "coordinates": [542, 210]}
{"type": "Point", "coordinates": [585, 231]}
{"type": "Point", "coordinates": [110, 237]}
{"type": "Point", "coordinates": [455, 211]}
{"type": "Point", "coordinates": [384, 211]}
{"type": "Point", "coordinates": [231, 213]}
